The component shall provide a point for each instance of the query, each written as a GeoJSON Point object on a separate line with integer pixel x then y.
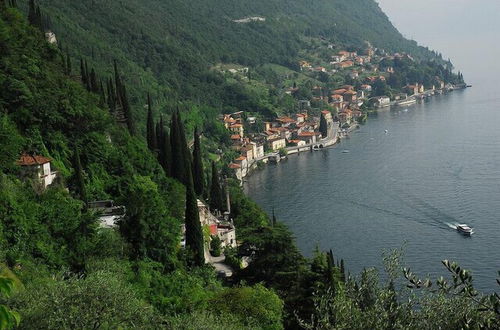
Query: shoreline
{"type": "Point", "coordinates": [329, 142]}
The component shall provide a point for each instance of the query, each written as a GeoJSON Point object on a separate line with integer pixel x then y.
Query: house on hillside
{"type": "Point", "coordinates": [38, 168]}
{"type": "Point", "coordinates": [237, 170]}
{"type": "Point", "coordinates": [237, 129]}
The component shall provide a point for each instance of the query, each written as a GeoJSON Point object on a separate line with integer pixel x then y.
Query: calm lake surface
{"type": "Point", "coordinates": [438, 165]}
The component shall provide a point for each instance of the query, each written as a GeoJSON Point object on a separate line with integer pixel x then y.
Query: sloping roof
{"type": "Point", "coordinates": [286, 120]}
{"type": "Point", "coordinates": [234, 166]}
{"type": "Point", "coordinates": [309, 133]}
{"type": "Point", "coordinates": [29, 160]}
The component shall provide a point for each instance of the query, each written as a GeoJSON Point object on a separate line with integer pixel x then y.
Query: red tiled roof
{"type": "Point", "coordinates": [241, 158]}
{"type": "Point", "coordinates": [339, 91]}
{"type": "Point", "coordinates": [234, 166]}
{"type": "Point", "coordinates": [236, 126]}
{"type": "Point", "coordinates": [286, 120]}
{"type": "Point", "coordinates": [325, 112]}
{"type": "Point", "coordinates": [309, 133]}
{"type": "Point", "coordinates": [213, 229]}
{"type": "Point", "coordinates": [28, 160]}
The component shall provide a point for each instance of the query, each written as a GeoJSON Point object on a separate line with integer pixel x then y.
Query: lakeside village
{"type": "Point", "coordinates": [257, 142]}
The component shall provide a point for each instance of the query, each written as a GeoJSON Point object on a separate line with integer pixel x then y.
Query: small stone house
{"type": "Point", "coordinates": [37, 167]}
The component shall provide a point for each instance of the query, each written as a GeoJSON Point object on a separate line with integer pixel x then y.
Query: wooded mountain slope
{"type": "Point", "coordinates": [167, 46]}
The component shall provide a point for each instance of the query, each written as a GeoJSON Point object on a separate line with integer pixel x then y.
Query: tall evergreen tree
{"type": "Point", "coordinates": [194, 233]}
{"type": "Point", "coordinates": [150, 128]}
{"type": "Point", "coordinates": [32, 12]}
{"type": "Point", "coordinates": [82, 72]}
{"type": "Point", "coordinates": [87, 75]}
{"type": "Point", "coordinates": [198, 176]}
{"type": "Point", "coordinates": [94, 87]}
{"type": "Point", "coordinates": [274, 221]}
{"type": "Point", "coordinates": [159, 131]}
{"type": "Point", "coordinates": [166, 152]}
{"type": "Point", "coordinates": [215, 200]}
{"type": "Point", "coordinates": [323, 126]}
{"type": "Point", "coordinates": [127, 111]}
{"type": "Point", "coordinates": [342, 270]}
{"type": "Point", "coordinates": [79, 180]}
{"type": "Point", "coordinates": [180, 153]}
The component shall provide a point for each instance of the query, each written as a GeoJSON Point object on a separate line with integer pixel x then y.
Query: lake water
{"type": "Point", "coordinates": [438, 165]}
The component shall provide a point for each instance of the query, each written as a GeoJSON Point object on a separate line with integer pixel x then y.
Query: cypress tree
{"type": "Point", "coordinates": [87, 75]}
{"type": "Point", "coordinates": [126, 111]}
{"type": "Point", "coordinates": [166, 153]}
{"type": "Point", "coordinates": [194, 233]}
{"type": "Point", "coordinates": [175, 145]}
{"type": "Point", "coordinates": [118, 81]}
{"type": "Point", "coordinates": [342, 270]}
{"type": "Point", "coordinates": [160, 130]}
{"type": "Point", "coordinates": [38, 18]}
{"type": "Point", "coordinates": [150, 128]}
{"type": "Point", "coordinates": [32, 12]}
{"type": "Point", "coordinates": [102, 94]}
{"type": "Point", "coordinates": [184, 144]}
{"type": "Point", "coordinates": [94, 87]}
{"type": "Point", "coordinates": [223, 195]}
{"type": "Point", "coordinates": [80, 181]}
{"type": "Point", "coordinates": [82, 72]}
{"type": "Point", "coordinates": [323, 126]}
{"type": "Point", "coordinates": [215, 201]}
{"type": "Point", "coordinates": [198, 176]}
{"type": "Point", "coordinates": [180, 154]}
{"type": "Point", "coordinates": [111, 96]}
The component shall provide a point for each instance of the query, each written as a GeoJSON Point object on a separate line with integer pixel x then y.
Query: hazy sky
{"type": "Point", "coordinates": [466, 31]}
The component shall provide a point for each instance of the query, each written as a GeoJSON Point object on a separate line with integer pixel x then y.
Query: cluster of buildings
{"type": "Point", "coordinates": [283, 133]}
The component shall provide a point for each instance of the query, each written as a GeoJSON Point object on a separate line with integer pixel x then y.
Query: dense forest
{"type": "Point", "coordinates": [59, 269]}
{"type": "Point", "coordinates": [168, 47]}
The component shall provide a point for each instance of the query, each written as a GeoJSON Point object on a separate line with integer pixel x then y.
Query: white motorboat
{"type": "Point", "coordinates": [464, 229]}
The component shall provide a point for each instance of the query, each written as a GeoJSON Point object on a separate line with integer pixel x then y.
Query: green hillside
{"type": "Point", "coordinates": [167, 46]}
{"type": "Point", "coordinates": [61, 269]}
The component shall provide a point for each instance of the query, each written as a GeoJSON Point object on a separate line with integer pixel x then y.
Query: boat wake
{"type": "Point", "coordinates": [451, 225]}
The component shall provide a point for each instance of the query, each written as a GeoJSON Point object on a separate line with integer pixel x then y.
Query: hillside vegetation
{"type": "Point", "coordinates": [167, 46]}
{"type": "Point", "coordinates": [59, 269]}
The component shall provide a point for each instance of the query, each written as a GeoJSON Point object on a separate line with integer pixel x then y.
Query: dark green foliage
{"type": "Point", "coordinates": [181, 157]}
{"type": "Point", "coordinates": [79, 178]}
{"type": "Point", "coordinates": [215, 201]}
{"type": "Point", "coordinates": [323, 126]}
{"type": "Point", "coordinates": [151, 137]}
{"type": "Point", "coordinates": [151, 232]}
{"type": "Point", "coordinates": [11, 143]}
{"type": "Point", "coordinates": [215, 246]}
{"type": "Point", "coordinates": [194, 233]}
{"type": "Point", "coordinates": [165, 155]}
{"type": "Point", "coordinates": [198, 177]}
